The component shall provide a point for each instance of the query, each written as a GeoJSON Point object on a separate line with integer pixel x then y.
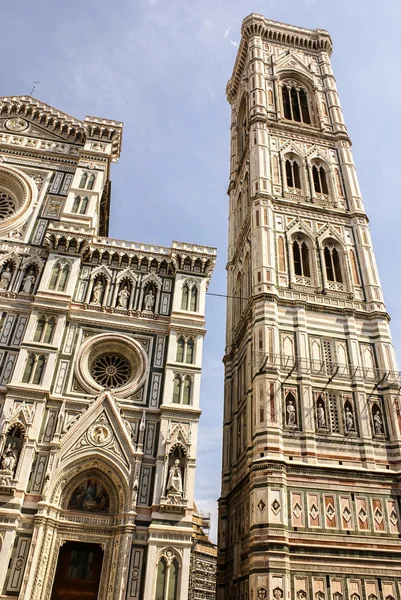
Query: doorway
{"type": "Point", "coordinates": [78, 572]}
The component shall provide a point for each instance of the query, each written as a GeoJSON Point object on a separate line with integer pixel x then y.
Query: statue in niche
{"type": "Point", "coordinates": [321, 416]}
{"type": "Point", "coordinates": [28, 282]}
{"type": "Point", "coordinates": [349, 419]}
{"type": "Point", "coordinates": [149, 301]}
{"type": "Point", "coordinates": [97, 293]}
{"type": "Point", "coordinates": [89, 495]}
{"type": "Point", "coordinates": [174, 483]}
{"type": "Point", "coordinates": [8, 460]}
{"type": "Point", "coordinates": [378, 422]}
{"type": "Point", "coordinates": [123, 297]}
{"type": "Point", "coordinates": [291, 413]}
{"type": "Point", "coordinates": [5, 278]}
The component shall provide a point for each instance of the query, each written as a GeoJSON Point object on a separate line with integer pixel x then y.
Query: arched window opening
{"type": "Point", "coordinates": [180, 349]}
{"type": "Point", "coordinates": [295, 104]}
{"type": "Point", "coordinates": [91, 181]}
{"type": "Point", "coordinates": [177, 389]}
{"type": "Point", "coordinates": [319, 180]}
{"type": "Point", "coordinates": [173, 580]}
{"type": "Point", "coordinates": [194, 299]}
{"type": "Point", "coordinates": [186, 397]}
{"type": "Point", "coordinates": [187, 264]}
{"type": "Point", "coordinates": [184, 297]}
{"type": "Point", "coordinates": [84, 179]}
{"type": "Point", "coordinates": [44, 330]}
{"type": "Point", "coordinates": [84, 205]}
{"type": "Point", "coordinates": [34, 369]}
{"type": "Point", "coordinates": [59, 277]}
{"type": "Point", "coordinates": [301, 258]}
{"type": "Point", "coordinates": [292, 174]}
{"type": "Point", "coordinates": [189, 358]}
{"type": "Point", "coordinates": [333, 266]}
{"type": "Point", "coordinates": [161, 579]}
{"type": "Point", "coordinates": [75, 206]}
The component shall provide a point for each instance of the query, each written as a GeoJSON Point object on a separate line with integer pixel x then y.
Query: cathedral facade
{"type": "Point", "coordinates": [310, 500]}
{"type": "Point", "coordinates": [101, 351]}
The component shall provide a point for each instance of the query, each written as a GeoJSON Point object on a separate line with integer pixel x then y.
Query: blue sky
{"type": "Point", "coordinates": [161, 67]}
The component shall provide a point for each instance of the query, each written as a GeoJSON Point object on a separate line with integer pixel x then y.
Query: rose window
{"type": "Point", "coordinates": [111, 370]}
{"type": "Point", "coordinates": [7, 206]}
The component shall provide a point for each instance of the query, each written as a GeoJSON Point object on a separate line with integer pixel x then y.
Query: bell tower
{"type": "Point", "coordinates": [310, 496]}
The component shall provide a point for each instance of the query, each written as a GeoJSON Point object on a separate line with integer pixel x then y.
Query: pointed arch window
{"type": "Point", "coordinates": [161, 579]}
{"type": "Point", "coordinates": [295, 103]}
{"type": "Point", "coordinates": [80, 205]}
{"type": "Point", "coordinates": [292, 174]}
{"type": "Point", "coordinates": [187, 391]}
{"type": "Point", "coordinates": [242, 128]}
{"type": "Point", "coordinates": [167, 579]}
{"type": "Point", "coordinates": [332, 263]}
{"type": "Point", "coordinates": [44, 330]}
{"type": "Point", "coordinates": [59, 277]}
{"type": "Point", "coordinates": [301, 258]}
{"type": "Point", "coordinates": [177, 389]}
{"type": "Point", "coordinates": [34, 369]}
{"type": "Point", "coordinates": [194, 299]}
{"type": "Point", "coordinates": [180, 350]}
{"type": "Point", "coordinates": [87, 181]}
{"type": "Point", "coordinates": [83, 181]}
{"type": "Point", "coordinates": [319, 180]}
{"type": "Point", "coordinates": [184, 297]}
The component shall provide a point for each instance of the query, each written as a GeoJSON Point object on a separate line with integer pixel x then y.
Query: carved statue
{"type": "Point", "coordinates": [5, 278]}
{"type": "Point", "coordinates": [149, 301]}
{"type": "Point", "coordinates": [377, 422]}
{"type": "Point", "coordinates": [349, 420]}
{"type": "Point", "coordinates": [123, 297]}
{"type": "Point", "coordinates": [8, 460]}
{"type": "Point", "coordinates": [174, 483]}
{"type": "Point", "coordinates": [97, 293]}
{"type": "Point", "coordinates": [291, 413]}
{"type": "Point", "coordinates": [321, 417]}
{"type": "Point", "coordinates": [28, 282]}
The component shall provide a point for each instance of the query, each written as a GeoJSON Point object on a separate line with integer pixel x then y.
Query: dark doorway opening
{"type": "Point", "coordinates": [78, 572]}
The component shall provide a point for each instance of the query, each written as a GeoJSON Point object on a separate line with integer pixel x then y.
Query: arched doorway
{"type": "Point", "coordinates": [78, 571]}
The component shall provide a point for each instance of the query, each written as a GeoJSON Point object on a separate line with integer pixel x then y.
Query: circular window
{"type": "Point", "coordinates": [111, 362]}
{"type": "Point", "coordinates": [16, 197]}
{"type": "Point", "coordinates": [111, 370]}
{"type": "Point", "coordinates": [7, 206]}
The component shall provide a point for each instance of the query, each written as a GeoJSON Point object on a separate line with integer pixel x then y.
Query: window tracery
{"type": "Point", "coordinates": [333, 267]}
{"type": "Point", "coordinates": [292, 173]}
{"type": "Point", "coordinates": [319, 180]}
{"type": "Point", "coordinates": [59, 277]}
{"type": "Point", "coordinates": [34, 368]}
{"type": "Point", "coordinates": [167, 578]}
{"type": "Point", "coordinates": [80, 205]}
{"type": "Point", "coordinates": [87, 180]}
{"type": "Point", "coordinates": [295, 102]}
{"type": "Point", "coordinates": [189, 297]}
{"type": "Point", "coordinates": [185, 350]}
{"type": "Point", "coordinates": [45, 329]}
{"type": "Point", "coordinates": [301, 260]}
{"type": "Point", "coordinates": [182, 389]}
{"type": "Point", "coordinates": [242, 128]}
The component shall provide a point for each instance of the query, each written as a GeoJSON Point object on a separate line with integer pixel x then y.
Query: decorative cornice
{"type": "Point", "coordinates": [63, 124]}
{"type": "Point", "coordinates": [311, 40]}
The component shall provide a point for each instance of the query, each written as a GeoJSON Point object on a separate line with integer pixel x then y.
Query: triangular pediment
{"type": "Point", "coordinates": [99, 431]}
{"type": "Point", "coordinates": [290, 61]}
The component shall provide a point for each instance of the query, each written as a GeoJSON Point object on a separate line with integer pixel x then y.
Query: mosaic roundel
{"type": "Point", "coordinates": [7, 206]}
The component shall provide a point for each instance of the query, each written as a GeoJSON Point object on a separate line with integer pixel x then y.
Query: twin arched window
{"type": "Point", "coordinates": [319, 180]}
{"type": "Point", "coordinates": [59, 277]}
{"type": "Point", "coordinates": [87, 181]}
{"type": "Point", "coordinates": [295, 103]}
{"type": "Point", "coordinates": [167, 579]}
{"type": "Point", "coordinates": [182, 389]}
{"type": "Point", "coordinates": [302, 261]}
{"type": "Point", "coordinates": [44, 330]}
{"type": "Point", "coordinates": [34, 369]}
{"type": "Point", "coordinates": [301, 258]}
{"type": "Point", "coordinates": [292, 174]}
{"type": "Point", "coordinates": [332, 264]}
{"type": "Point", "coordinates": [80, 205]}
{"type": "Point", "coordinates": [185, 350]}
{"type": "Point", "coordinates": [189, 298]}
